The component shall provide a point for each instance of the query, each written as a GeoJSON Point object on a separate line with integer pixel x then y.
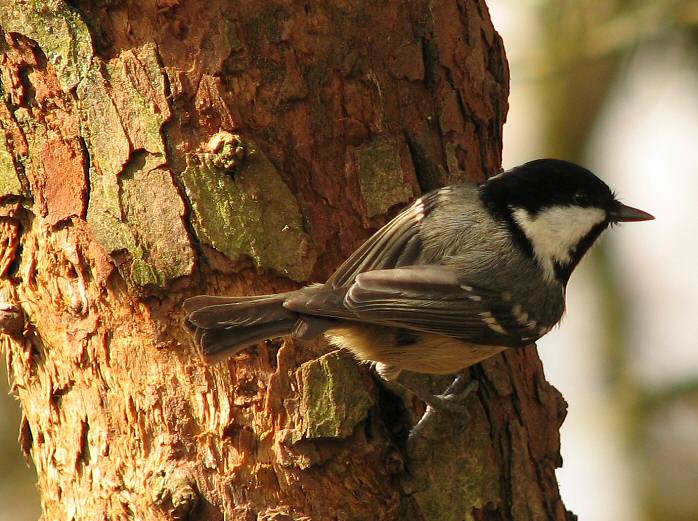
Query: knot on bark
{"type": "Point", "coordinates": [225, 151]}
{"type": "Point", "coordinates": [175, 492]}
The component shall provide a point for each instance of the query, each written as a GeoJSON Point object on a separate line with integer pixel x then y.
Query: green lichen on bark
{"type": "Point", "coordinates": [9, 182]}
{"type": "Point", "coordinates": [334, 398]}
{"type": "Point", "coordinates": [141, 213]}
{"type": "Point", "coordinates": [251, 213]}
{"type": "Point", "coordinates": [105, 215]}
{"type": "Point", "coordinates": [153, 210]}
{"type": "Point", "coordinates": [124, 106]}
{"type": "Point", "coordinates": [107, 141]}
{"type": "Point", "coordinates": [58, 30]}
{"type": "Point", "coordinates": [466, 468]}
{"type": "Point", "coordinates": [134, 206]}
{"type": "Point", "coordinates": [381, 177]}
{"type": "Point", "coordinates": [138, 90]}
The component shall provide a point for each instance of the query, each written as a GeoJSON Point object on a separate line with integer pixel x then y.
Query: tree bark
{"type": "Point", "coordinates": [156, 150]}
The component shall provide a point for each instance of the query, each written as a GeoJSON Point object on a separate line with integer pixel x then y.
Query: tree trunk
{"type": "Point", "coordinates": [156, 150]}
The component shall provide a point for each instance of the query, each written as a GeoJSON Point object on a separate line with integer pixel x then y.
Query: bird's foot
{"type": "Point", "coordinates": [453, 398]}
{"type": "Point", "coordinates": [451, 401]}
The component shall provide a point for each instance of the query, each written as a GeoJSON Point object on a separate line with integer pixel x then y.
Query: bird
{"type": "Point", "coordinates": [462, 274]}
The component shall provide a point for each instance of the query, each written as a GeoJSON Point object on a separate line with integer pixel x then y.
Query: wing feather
{"type": "Point", "coordinates": [396, 244]}
{"type": "Point", "coordinates": [432, 299]}
{"type": "Point", "coordinates": [425, 298]}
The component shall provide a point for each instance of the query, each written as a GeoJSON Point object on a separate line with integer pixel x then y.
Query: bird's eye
{"type": "Point", "coordinates": [581, 199]}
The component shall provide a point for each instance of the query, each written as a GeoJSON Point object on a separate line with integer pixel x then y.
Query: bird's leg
{"type": "Point", "coordinates": [450, 400]}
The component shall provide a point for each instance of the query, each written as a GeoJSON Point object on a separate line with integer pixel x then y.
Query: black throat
{"type": "Point", "coordinates": [564, 271]}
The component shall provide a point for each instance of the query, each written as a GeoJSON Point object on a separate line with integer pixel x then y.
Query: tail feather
{"type": "Point", "coordinates": [200, 301]}
{"type": "Point", "coordinates": [241, 313]}
{"type": "Point", "coordinates": [219, 344]}
{"type": "Point", "coordinates": [222, 326]}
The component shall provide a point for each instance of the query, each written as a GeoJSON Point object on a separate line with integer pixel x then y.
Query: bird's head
{"type": "Point", "coordinates": [555, 210]}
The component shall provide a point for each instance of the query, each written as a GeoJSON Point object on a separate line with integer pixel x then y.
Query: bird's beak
{"type": "Point", "coordinates": [622, 213]}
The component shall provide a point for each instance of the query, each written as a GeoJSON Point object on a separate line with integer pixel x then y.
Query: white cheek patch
{"type": "Point", "coordinates": [556, 231]}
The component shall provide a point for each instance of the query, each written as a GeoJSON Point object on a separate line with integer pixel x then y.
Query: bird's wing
{"type": "Point", "coordinates": [430, 299]}
{"type": "Point", "coordinates": [395, 244]}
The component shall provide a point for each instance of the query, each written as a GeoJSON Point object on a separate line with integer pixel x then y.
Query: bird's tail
{"type": "Point", "coordinates": [222, 326]}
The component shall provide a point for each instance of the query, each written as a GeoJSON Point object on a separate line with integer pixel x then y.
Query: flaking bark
{"type": "Point", "coordinates": [156, 150]}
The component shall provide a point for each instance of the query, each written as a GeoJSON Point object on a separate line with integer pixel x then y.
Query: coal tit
{"type": "Point", "coordinates": [463, 273]}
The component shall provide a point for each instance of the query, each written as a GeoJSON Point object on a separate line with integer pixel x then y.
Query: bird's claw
{"type": "Point", "coordinates": [453, 397]}
{"type": "Point", "coordinates": [451, 401]}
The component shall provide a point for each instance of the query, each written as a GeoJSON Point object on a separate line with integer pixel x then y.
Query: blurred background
{"type": "Point", "coordinates": [613, 85]}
